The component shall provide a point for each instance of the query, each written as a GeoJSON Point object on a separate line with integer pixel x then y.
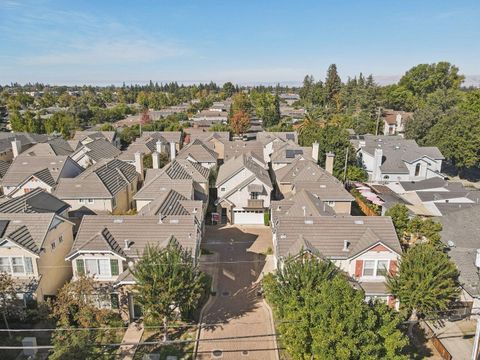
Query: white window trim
{"type": "Point", "coordinates": [24, 273]}
{"type": "Point", "coordinates": [98, 275]}
{"type": "Point", "coordinates": [375, 268]}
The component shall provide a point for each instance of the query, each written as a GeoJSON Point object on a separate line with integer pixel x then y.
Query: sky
{"type": "Point", "coordinates": [244, 41]}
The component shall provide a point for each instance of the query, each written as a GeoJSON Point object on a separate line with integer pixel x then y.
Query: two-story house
{"type": "Point", "coordinates": [107, 186]}
{"type": "Point", "coordinates": [33, 247]}
{"type": "Point", "coordinates": [30, 172]}
{"type": "Point", "coordinates": [393, 158]}
{"type": "Point", "coordinates": [394, 121]}
{"type": "Point", "coordinates": [198, 152]}
{"type": "Point", "coordinates": [243, 190]}
{"type": "Point", "coordinates": [86, 136]}
{"type": "Point", "coordinates": [92, 152]}
{"type": "Point", "coordinates": [366, 248]}
{"type": "Point", "coordinates": [107, 247]}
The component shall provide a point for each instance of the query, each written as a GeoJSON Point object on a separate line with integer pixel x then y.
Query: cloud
{"type": "Point", "coordinates": [108, 52]}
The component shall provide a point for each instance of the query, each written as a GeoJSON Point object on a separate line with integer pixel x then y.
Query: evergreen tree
{"type": "Point", "coordinates": [333, 84]}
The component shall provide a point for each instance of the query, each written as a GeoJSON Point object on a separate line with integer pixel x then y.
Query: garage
{"type": "Point", "coordinates": [248, 217]}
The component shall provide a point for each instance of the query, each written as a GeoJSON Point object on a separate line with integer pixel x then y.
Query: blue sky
{"type": "Point", "coordinates": [244, 41]}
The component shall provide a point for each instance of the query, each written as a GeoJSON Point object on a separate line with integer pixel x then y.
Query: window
{"type": "Point", "coordinates": [375, 268]}
{"type": "Point", "coordinates": [17, 265]}
{"type": "Point", "coordinates": [53, 245]}
{"type": "Point", "coordinates": [222, 189]}
{"type": "Point", "coordinates": [369, 268]}
{"type": "Point", "coordinates": [114, 203]}
{"type": "Point", "coordinates": [382, 267]}
{"type": "Point", "coordinates": [254, 195]}
{"type": "Point", "coordinates": [91, 201]}
{"type": "Point", "coordinates": [81, 201]}
{"type": "Point", "coordinates": [60, 239]}
{"type": "Point", "coordinates": [417, 169]}
{"type": "Point", "coordinates": [98, 267]}
{"type": "Point", "coordinates": [28, 265]}
{"type": "Point", "coordinates": [114, 301]}
{"type": "Point", "coordinates": [5, 264]}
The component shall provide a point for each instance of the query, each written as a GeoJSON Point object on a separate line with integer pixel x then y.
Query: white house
{"type": "Point", "coordinates": [393, 158]}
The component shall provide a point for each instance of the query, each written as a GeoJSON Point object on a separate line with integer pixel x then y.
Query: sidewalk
{"type": "Point", "coordinates": [133, 335]}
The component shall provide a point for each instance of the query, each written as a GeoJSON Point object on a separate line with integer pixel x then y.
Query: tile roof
{"type": "Point", "coordinates": [161, 183]}
{"type": "Point", "coordinates": [328, 233]}
{"type": "Point", "coordinates": [35, 201]}
{"type": "Point", "coordinates": [244, 160]}
{"type": "Point", "coordinates": [302, 203]}
{"type": "Point", "coordinates": [6, 139]}
{"type": "Point", "coordinates": [137, 230]}
{"type": "Point", "coordinates": [3, 168]}
{"type": "Point", "coordinates": [198, 151]}
{"type": "Point", "coordinates": [266, 137]}
{"type": "Point", "coordinates": [100, 149]}
{"type": "Point", "coordinates": [94, 135]}
{"type": "Point", "coordinates": [102, 180]}
{"type": "Point", "coordinates": [238, 147]}
{"type": "Point", "coordinates": [56, 146]}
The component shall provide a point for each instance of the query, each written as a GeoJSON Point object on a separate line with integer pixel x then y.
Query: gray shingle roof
{"type": "Point", "coordinates": [432, 183]}
{"type": "Point", "coordinates": [36, 201]}
{"type": "Point", "coordinates": [327, 234]}
{"type": "Point", "coordinates": [101, 149]}
{"type": "Point", "coordinates": [235, 148]}
{"type": "Point", "coordinates": [161, 183]}
{"type": "Point", "coordinates": [25, 139]}
{"type": "Point", "coordinates": [462, 227]}
{"type": "Point", "coordinates": [302, 203]}
{"type": "Point", "coordinates": [235, 165]}
{"type": "Point", "coordinates": [198, 151]}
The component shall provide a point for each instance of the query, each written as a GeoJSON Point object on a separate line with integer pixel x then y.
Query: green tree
{"type": "Point", "coordinates": [322, 316]}
{"type": "Point", "coordinates": [241, 102]}
{"type": "Point", "coordinates": [168, 281]}
{"type": "Point", "coordinates": [400, 218]}
{"type": "Point", "coordinates": [333, 84]}
{"type": "Point", "coordinates": [427, 282]}
{"type": "Point", "coordinates": [228, 89]}
{"type": "Point", "coordinates": [424, 229]}
{"type": "Point", "coordinates": [10, 306]}
{"type": "Point", "coordinates": [75, 308]}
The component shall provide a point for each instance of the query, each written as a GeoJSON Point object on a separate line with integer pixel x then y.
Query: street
{"type": "Point", "coordinates": [236, 312]}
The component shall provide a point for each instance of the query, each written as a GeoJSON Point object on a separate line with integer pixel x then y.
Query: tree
{"type": "Point", "coordinates": [76, 308]}
{"type": "Point", "coordinates": [424, 79]}
{"type": "Point", "coordinates": [10, 306]}
{"type": "Point", "coordinates": [228, 89]}
{"type": "Point", "coordinates": [322, 316]}
{"type": "Point", "coordinates": [333, 84]}
{"type": "Point", "coordinates": [400, 218]}
{"type": "Point", "coordinates": [241, 102]}
{"type": "Point", "coordinates": [427, 282]}
{"type": "Point", "coordinates": [425, 230]}
{"type": "Point", "coordinates": [240, 122]}
{"type": "Point", "coordinates": [168, 283]}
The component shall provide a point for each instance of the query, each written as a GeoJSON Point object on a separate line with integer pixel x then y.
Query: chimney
{"type": "Point", "coordinates": [16, 148]}
{"type": "Point", "coordinates": [172, 151]}
{"type": "Point", "coordinates": [139, 163]}
{"type": "Point", "coordinates": [315, 149]}
{"type": "Point", "coordinates": [377, 162]}
{"type": "Point", "coordinates": [346, 244]}
{"type": "Point", "coordinates": [158, 146]}
{"type": "Point", "coordinates": [329, 159]}
{"type": "Point", "coordinates": [156, 160]}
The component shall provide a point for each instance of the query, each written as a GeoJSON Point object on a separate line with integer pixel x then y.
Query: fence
{"type": "Point", "coordinates": [364, 207]}
{"type": "Point", "coordinates": [436, 342]}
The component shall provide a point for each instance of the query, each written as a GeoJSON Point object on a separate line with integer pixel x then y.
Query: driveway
{"type": "Point", "coordinates": [236, 312]}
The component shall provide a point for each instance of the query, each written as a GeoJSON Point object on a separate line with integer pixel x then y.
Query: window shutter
{"type": "Point", "coordinates": [393, 267]}
{"type": "Point", "coordinates": [358, 268]}
{"type": "Point", "coordinates": [80, 267]}
{"type": "Point", "coordinates": [114, 267]}
{"type": "Point", "coordinates": [28, 265]}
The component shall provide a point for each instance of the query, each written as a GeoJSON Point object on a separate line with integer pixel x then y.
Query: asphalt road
{"type": "Point", "coordinates": [239, 314]}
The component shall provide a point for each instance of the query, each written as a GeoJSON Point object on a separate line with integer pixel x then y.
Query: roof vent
{"type": "Point", "coordinates": [118, 221]}
{"type": "Point", "coordinates": [450, 243]}
{"type": "Point", "coordinates": [346, 244]}
{"type": "Point", "coordinates": [283, 236]}
{"type": "Point", "coordinates": [128, 244]}
{"type": "Point", "coordinates": [174, 221]}
{"type": "Point", "coordinates": [309, 222]}
{"type": "Point", "coordinates": [359, 222]}
{"type": "Point", "coordinates": [323, 186]}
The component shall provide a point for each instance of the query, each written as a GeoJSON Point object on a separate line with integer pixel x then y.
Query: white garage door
{"type": "Point", "coordinates": [248, 217]}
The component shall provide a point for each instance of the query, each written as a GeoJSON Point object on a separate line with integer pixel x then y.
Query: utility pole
{"type": "Point", "coordinates": [378, 120]}
{"type": "Point", "coordinates": [345, 168]}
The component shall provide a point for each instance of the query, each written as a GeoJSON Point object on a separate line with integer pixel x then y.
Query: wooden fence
{"type": "Point", "coordinates": [436, 342]}
{"type": "Point", "coordinates": [364, 207]}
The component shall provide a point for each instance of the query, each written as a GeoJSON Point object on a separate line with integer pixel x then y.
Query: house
{"type": "Point", "coordinates": [243, 190]}
{"type": "Point", "coordinates": [460, 236]}
{"type": "Point", "coordinates": [30, 172]}
{"type": "Point", "coordinates": [430, 197]}
{"type": "Point", "coordinates": [366, 248]}
{"type": "Point", "coordinates": [3, 168]}
{"type": "Point", "coordinates": [289, 98]}
{"type": "Point", "coordinates": [198, 152]}
{"type": "Point", "coordinates": [284, 153]}
{"type": "Point", "coordinates": [92, 152]}
{"type": "Point", "coordinates": [268, 139]}
{"type": "Point", "coordinates": [33, 247]}
{"type": "Point", "coordinates": [393, 158]}
{"type": "Point", "coordinates": [13, 144]}
{"type": "Point", "coordinates": [107, 186]}
{"type": "Point", "coordinates": [290, 112]}
{"type": "Point", "coordinates": [55, 146]}
{"type": "Point", "coordinates": [394, 121]}
{"type": "Point", "coordinates": [87, 136]}
{"type": "Point", "coordinates": [166, 142]}
{"type": "Point", "coordinates": [107, 247]}
{"type": "Point", "coordinates": [215, 140]}
{"type": "Point", "coordinates": [235, 148]}
{"type": "Point", "coordinates": [37, 201]}
{"type": "Point", "coordinates": [187, 178]}
{"type": "Point", "coordinates": [304, 174]}
{"type": "Point", "coordinates": [209, 117]}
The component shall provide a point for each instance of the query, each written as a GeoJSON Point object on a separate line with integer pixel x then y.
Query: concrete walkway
{"type": "Point", "coordinates": [133, 335]}
{"type": "Point", "coordinates": [236, 313]}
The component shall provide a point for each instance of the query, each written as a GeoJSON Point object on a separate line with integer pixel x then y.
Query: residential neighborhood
{"type": "Point", "coordinates": [281, 181]}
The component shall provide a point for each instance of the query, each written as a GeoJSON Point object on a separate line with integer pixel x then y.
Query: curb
{"type": "Point", "coordinates": [272, 324]}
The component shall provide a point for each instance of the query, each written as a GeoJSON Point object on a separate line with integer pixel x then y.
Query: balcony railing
{"type": "Point", "coordinates": [255, 203]}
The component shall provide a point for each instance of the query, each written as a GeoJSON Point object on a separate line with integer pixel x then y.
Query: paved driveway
{"type": "Point", "coordinates": [236, 309]}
